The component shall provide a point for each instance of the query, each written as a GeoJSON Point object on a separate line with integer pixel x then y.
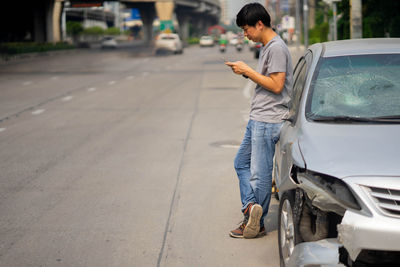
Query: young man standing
{"type": "Point", "coordinates": [269, 108]}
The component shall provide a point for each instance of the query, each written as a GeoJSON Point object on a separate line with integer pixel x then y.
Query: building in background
{"type": "Point", "coordinates": [225, 12]}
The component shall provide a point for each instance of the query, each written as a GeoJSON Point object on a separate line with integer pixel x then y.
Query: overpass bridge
{"type": "Point", "coordinates": [199, 13]}
{"type": "Point", "coordinates": [40, 20]}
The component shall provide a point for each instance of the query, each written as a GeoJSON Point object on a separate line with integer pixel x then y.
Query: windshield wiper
{"type": "Point", "coordinates": [391, 118]}
{"type": "Point", "coordinates": [342, 119]}
{"type": "Point", "coordinates": [388, 119]}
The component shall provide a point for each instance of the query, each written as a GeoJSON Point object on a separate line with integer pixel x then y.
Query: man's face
{"type": "Point", "coordinates": [251, 32]}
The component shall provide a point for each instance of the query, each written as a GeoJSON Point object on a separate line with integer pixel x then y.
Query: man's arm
{"type": "Point", "coordinates": [273, 83]}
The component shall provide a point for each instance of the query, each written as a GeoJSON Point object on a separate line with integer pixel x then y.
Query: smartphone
{"type": "Point", "coordinates": [225, 60]}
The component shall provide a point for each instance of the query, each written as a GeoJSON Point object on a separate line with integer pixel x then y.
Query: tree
{"type": "Point", "coordinates": [380, 19]}
{"type": "Point", "coordinates": [74, 29]}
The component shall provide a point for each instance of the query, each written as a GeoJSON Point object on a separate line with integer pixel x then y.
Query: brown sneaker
{"type": "Point", "coordinates": [262, 232]}
{"type": "Point", "coordinates": [253, 225]}
{"type": "Point", "coordinates": [246, 212]}
{"type": "Point", "coordinates": [238, 232]}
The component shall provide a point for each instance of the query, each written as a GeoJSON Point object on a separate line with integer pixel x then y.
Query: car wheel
{"type": "Point", "coordinates": [287, 228]}
{"type": "Point", "coordinates": [314, 226]}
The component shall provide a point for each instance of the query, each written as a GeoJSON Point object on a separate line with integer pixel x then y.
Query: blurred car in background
{"type": "Point", "coordinates": [252, 44]}
{"type": "Point", "coordinates": [234, 41]}
{"type": "Point", "coordinates": [257, 49]}
{"type": "Point", "coordinates": [108, 42]}
{"type": "Point", "coordinates": [169, 42]}
{"type": "Point", "coordinates": [206, 40]}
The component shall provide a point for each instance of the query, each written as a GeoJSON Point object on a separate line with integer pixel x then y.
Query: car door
{"type": "Point", "coordinates": [288, 137]}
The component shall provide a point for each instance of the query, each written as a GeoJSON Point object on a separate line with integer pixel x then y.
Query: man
{"type": "Point", "coordinates": [269, 108]}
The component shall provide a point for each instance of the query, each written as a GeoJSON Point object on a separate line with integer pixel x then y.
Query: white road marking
{"type": "Point", "coordinates": [2, 129]}
{"type": "Point", "coordinates": [92, 89]}
{"type": "Point", "coordinates": [146, 60]}
{"type": "Point", "coordinates": [54, 78]}
{"type": "Point", "coordinates": [247, 90]}
{"type": "Point", "coordinates": [111, 82]}
{"type": "Point", "coordinates": [38, 111]}
{"type": "Point", "coordinates": [27, 83]}
{"type": "Point", "coordinates": [67, 98]}
{"type": "Point", "coordinates": [144, 74]}
{"type": "Point", "coordinates": [130, 77]}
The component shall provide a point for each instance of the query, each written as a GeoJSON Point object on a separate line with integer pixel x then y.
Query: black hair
{"type": "Point", "coordinates": [251, 13]}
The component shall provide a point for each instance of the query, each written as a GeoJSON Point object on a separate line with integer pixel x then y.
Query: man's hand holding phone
{"type": "Point", "coordinates": [238, 67]}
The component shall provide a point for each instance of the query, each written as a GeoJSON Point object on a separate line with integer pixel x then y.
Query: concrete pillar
{"type": "Point", "coordinates": [355, 19]}
{"type": "Point", "coordinates": [199, 25]}
{"type": "Point", "coordinates": [147, 13]}
{"type": "Point", "coordinates": [39, 23]}
{"type": "Point", "coordinates": [57, 12]}
{"type": "Point", "coordinates": [49, 20]}
{"type": "Point", "coordinates": [183, 20]}
{"type": "Point", "coordinates": [165, 10]}
{"type": "Point", "coordinates": [311, 14]}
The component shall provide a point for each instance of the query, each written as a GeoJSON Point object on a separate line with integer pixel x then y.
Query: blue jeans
{"type": "Point", "coordinates": [254, 161]}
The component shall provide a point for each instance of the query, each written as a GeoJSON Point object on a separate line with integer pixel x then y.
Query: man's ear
{"type": "Point", "coordinates": [259, 25]}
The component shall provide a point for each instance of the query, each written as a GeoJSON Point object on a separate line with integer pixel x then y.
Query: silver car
{"type": "Point", "coordinates": [337, 163]}
{"type": "Point", "coordinates": [169, 42]}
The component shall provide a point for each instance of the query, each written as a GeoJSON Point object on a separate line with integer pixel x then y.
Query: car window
{"type": "Point", "coordinates": [365, 86]}
{"type": "Point", "coordinates": [168, 38]}
{"type": "Point", "coordinates": [299, 79]}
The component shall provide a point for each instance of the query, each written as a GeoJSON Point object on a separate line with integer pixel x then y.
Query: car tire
{"type": "Point", "coordinates": [313, 227]}
{"type": "Point", "coordinates": [288, 228]}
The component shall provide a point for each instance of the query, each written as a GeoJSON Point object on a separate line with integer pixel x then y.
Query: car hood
{"type": "Point", "coordinates": [343, 150]}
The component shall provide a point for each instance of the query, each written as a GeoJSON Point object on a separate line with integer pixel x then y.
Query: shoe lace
{"type": "Point", "coordinates": [243, 222]}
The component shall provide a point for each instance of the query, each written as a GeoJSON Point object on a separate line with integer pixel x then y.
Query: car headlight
{"type": "Point", "coordinates": [326, 192]}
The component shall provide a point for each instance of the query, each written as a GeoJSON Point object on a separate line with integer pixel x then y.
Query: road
{"type": "Point", "coordinates": [114, 158]}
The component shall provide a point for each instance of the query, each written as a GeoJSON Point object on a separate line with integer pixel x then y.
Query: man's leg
{"type": "Point", "coordinates": [242, 167]}
{"type": "Point", "coordinates": [263, 149]}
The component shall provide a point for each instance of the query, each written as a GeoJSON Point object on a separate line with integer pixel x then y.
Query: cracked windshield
{"type": "Point", "coordinates": [357, 86]}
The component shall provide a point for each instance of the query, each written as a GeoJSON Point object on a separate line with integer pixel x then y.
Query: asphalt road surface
{"type": "Point", "coordinates": [120, 158]}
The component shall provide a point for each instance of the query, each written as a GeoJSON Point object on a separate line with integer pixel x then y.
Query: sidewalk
{"type": "Point", "coordinates": [139, 45]}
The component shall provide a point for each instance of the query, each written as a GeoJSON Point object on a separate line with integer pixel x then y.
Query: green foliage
{"type": "Point", "coordinates": [372, 27]}
{"type": "Point", "coordinates": [112, 31]}
{"type": "Point", "coordinates": [95, 30]}
{"type": "Point", "coordinates": [74, 28]}
{"type": "Point", "coordinates": [20, 48]}
{"type": "Point", "coordinates": [343, 24]}
{"type": "Point", "coordinates": [394, 28]}
{"type": "Point", "coordinates": [319, 33]}
{"type": "Point", "coordinates": [193, 40]}
{"type": "Point", "coordinates": [380, 18]}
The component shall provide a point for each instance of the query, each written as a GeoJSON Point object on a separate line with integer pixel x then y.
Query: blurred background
{"type": "Point", "coordinates": [29, 26]}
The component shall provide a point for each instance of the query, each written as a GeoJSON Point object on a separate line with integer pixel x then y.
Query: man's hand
{"type": "Point", "coordinates": [273, 83]}
{"type": "Point", "coordinates": [239, 67]}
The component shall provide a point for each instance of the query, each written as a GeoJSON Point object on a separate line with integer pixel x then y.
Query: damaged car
{"type": "Point", "coordinates": [337, 161]}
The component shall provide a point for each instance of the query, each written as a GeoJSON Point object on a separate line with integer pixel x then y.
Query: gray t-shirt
{"type": "Point", "coordinates": [265, 105]}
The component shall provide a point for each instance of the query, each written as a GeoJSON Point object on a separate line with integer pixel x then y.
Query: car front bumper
{"type": "Point", "coordinates": [319, 253]}
{"type": "Point", "coordinates": [372, 228]}
{"type": "Point", "coordinates": [358, 232]}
